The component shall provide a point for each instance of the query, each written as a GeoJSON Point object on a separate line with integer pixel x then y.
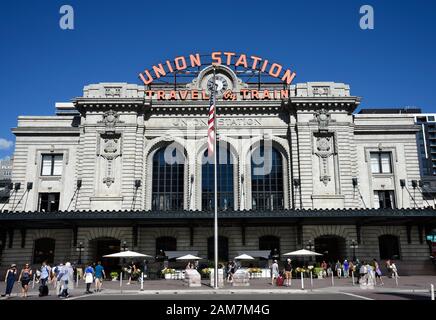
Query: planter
{"type": "Point", "coordinates": [114, 278]}
{"type": "Point", "coordinates": [168, 276]}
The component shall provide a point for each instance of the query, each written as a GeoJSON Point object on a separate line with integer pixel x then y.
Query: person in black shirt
{"type": "Point", "coordinates": [288, 272]}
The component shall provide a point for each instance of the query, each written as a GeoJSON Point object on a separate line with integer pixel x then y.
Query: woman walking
{"type": "Point", "coordinates": [89, 278]}
{"type": "Point", "coordinates": [10, 278]}
{"type": "Point", "coordinates": [378, 273]}
{"type": "Point", "coordinates": [25, 277]}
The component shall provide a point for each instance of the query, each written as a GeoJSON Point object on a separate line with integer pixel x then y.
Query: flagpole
{"type": "Point", "coordinates": [215, 185]}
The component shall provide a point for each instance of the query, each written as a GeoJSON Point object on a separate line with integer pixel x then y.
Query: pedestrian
{"type": "Point", "coordinates": [44, 278]}
{"type": "Point", "coordinates": [11, 275]}
{"type": "Point", "coordinates": [324, 269]}
{"type": "Point", "coordinates": [25, 277]}
{"type": "Point", "coordinates": [231, 271]}
{"type": "Point", "coordinates": [346, 267]}
{"type": "Point", "coordinates": [274, 272]}
{"type": "Point", "coordinates": [66, 276]}
{"type": "Point", "coordinates": [89, 278]}
{"type": "Point", "coordinates": [338, 269]}
{"type": "Point", "coordinates": [378, 273]}
{"type": "Point", "coordinates": [56, 283]}
{"type": "Point", "coordinates": [99, 276]}
{"type": "Point", "coordinates": [363, 273]}
{"type": "Point", "coordinates": [288, 272]}
{"type": "Point", "coordinates": [389, 268]}
{"type": "Point", "coordinates": [394, 270]}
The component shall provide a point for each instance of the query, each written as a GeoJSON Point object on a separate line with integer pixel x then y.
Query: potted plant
{"type": "Point", "coordinates": [205, 272]}
{"type": "Point", "coordinates": [114, 275]}
{"type": "Point", "coordinates": [168, 273]}
{"type": "Point", "coordinates": [255, 272]}
{"type": "Point", "coordinates": [318, 272]}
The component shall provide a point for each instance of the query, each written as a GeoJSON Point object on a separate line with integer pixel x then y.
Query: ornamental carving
{"type": "Point", "coordinates": [110, 119]}
{"type": "Point", "coordinates": [323, 118]}
{"type": "Point", "coordinates": [324, 150]}
{"type": "Point", "coordinates": [109, 147]}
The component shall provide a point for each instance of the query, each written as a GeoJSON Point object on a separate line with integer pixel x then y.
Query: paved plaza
{"type": "Point", "coordinates": [409, 288]}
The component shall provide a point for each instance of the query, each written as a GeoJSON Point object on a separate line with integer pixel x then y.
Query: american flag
{"type": "Point", "coordinates": [211, 124]}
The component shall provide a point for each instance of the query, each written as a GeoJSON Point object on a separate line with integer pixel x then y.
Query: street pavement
{"type": "Point", "coordinates": [409, 288]}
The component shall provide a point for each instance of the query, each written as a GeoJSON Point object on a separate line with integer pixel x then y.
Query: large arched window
{"type": "Point", "coordinates": [166, 244]}
{"type": "Point", "coordinates": [168, 180]}
{"type": "Point", "coordinates": [225, 181]}
{"type": "Point", "coordinates": [389, 247]}
{"type": "Point", "coordinates": [44, 250]}
{"type": "Point", "coordinates": [267, 179]}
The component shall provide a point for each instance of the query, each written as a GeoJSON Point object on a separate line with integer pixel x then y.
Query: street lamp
{"type": "Point", "coordinates": [354, 246]}
{"type": "Point", "coordinates": [310, 247]}
{"type": "Point", "coordinates": [79, 248]}
{"type": "Point", "coordinates": [124, 248]}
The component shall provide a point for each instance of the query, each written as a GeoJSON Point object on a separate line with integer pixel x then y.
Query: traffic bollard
{"type": "Point", "coordinates": [121, 281]}
{"type": "Point", "coordinates": [302, 281]}
{"type": "Point", "coordinates": [142, 281]}
{"type": "Point", "coordinates": [396, 279]}
{"type": "Point", "coordinates": [333, 280]}
{"type": "Point", "coordinates": [77, 280]}
{"type": "Point", "coordinates": [311, 279]}
{"type": "Point", "coordinates": [352, 276]}
{"type": "Point", "coordinates": [432, 291]}
{"type": "Point", "coordinates": [33, 282]}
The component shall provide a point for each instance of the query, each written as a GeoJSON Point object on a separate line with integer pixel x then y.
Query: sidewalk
{"type": "Point", "coordinates": [257, 286]}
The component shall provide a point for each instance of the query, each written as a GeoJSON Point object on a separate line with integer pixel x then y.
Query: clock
{"type": "Point", "coordinates": [221, 83]}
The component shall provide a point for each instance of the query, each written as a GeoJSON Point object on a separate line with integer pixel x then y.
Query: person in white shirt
{"type": "Point", "coordinates": [274, 272]}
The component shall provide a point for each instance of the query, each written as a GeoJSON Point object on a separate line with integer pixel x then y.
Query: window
{"type": "Point", "coordinates": [166, 244]}
{"type": "Point", "coordinates": [51, 165]}
{"type": "Point", "coordinates": [267, 180]}
{"type": "Point", "coordinates": [168, 178]}
{"type": "Point", "coordinates": [225, 181]}
{"type": "Point", "coordinates": [389, 247]}
{"type": "Point", "coordinates": [384, 199]}
{"type": "Point", "coordinates": [271, 243]}
{"type": "Point", "coordinates": [381, 162]}
{"type": "Point", "coordinates": [223, 248]}
{"type": "Point", "coordinates": [49, 202]}
{"type": "Point", "coordinates": [44, 251]}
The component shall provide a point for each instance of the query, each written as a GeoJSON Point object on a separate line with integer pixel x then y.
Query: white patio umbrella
{"type": "Point", "coordinates": [244, 257]}
{"type": "Point", "coordinates": [302, 253]}
{"type": "Point", "coordinates": [127, 254]}
{"type": "Point", "coordinates": [189, 257]}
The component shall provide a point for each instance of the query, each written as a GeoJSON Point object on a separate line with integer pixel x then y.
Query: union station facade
{"type": "Point", "coordinates": [126, 165]}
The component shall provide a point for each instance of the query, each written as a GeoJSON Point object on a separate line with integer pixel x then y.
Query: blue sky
{"type": "Point", "coordinates": [393, 65]}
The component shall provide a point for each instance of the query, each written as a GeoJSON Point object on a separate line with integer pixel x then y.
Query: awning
{"type": "Point", "coordinates": [176, 254]}
{"type": "Point", "coordinates": [256, 253]}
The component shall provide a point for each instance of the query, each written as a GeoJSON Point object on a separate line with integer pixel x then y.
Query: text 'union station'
{"type": "Point", "coordinates": [96, 172]}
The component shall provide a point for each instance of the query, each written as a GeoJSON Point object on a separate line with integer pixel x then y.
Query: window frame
{"type": "Point", "coordinates": [379, 161]}
{"type": "Point", "coordinates": [52, 164]}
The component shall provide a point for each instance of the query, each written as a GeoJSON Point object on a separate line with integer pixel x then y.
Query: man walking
{"type": "Point", "coordinates": [45, 274]}
{"type": "Point", "coordinates": [346, 267]}
{"type": "Point", "coordinates": [99, 276]}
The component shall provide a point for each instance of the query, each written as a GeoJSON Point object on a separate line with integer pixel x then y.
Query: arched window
{"type": "Point", "coordinates": [223, 248]}
{"type": "Point", "coordinates": [389, 247]}
{"type": "Point", "coordinates": [44, 250]}
{"type": "Point", "coordinates": [271, 243]}
{"type": "Point", "coordinates": [267, 179]}
{"type": "Point", "coordinates": [225, 181]}
{"type": "Point", "coordinates": [168, 179]}
{"type": "Point", "coordinates": [166, 244]}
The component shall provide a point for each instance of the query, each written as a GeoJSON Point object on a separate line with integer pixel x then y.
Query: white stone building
{"type": "Point", "coordinates": [97, 174]}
